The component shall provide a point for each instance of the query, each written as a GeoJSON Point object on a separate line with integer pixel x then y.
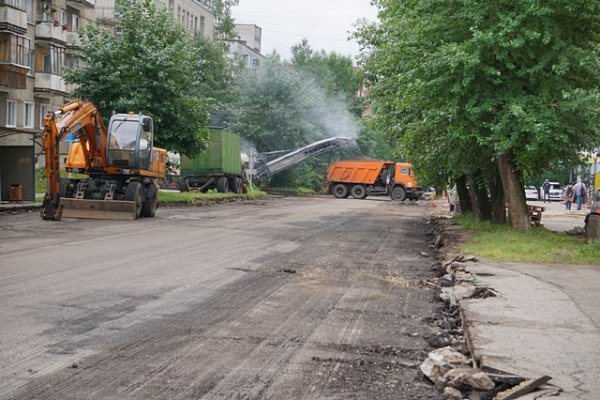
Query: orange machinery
{"type": "Point", "coordinates": [361, 178]}
{"type": "Point", "coordinates": [121, 165]}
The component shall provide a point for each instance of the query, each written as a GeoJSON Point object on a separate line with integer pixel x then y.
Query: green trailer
{"type": "Point", "coordinates": [219, 166]}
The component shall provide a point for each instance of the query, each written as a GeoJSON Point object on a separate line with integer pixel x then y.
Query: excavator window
{"type": "Point", "coordinates": [122, 143]}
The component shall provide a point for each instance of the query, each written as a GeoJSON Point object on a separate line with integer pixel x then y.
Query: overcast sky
{"type": "Point", "coordinates": [325, 23]}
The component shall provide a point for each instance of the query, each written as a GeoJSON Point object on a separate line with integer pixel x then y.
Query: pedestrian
{"type": "Point", "coordinates": [546, 190]}
{"type": "Point", "coordinates": [569, 196]}
{"type": "Point", "coordinates": [580, 191]}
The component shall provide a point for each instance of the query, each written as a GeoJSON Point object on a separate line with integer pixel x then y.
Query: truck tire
{"type": "Point", "coordinates": [237, 185]}
{"type": "Point", "coordinates": [150, 202]}
{"type": "Point", "coordinates": [183, 185]}
{"type": "Point", "coordinates": [135, 192]}
{"type": "Point", "coordinates": [398, 193]}
{"type": "Point", "coordinates": [358, 192]}
{"type": "Point", "coordinates": [340, 191]}
{"type": "Point", "coordinates": [222, 184]}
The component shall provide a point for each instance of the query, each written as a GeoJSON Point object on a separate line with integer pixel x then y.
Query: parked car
{"type": "Point", "coordinates": [555, 192]}
{"type": "Point", "coordinates": [531, 193]}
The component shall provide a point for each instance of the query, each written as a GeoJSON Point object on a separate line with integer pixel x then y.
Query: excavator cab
{"type": "Point", "coordinates": [129, 141]}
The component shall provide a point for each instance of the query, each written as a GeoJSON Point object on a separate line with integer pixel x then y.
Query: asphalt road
{"type": "Point", "coordinates": [299, 298]}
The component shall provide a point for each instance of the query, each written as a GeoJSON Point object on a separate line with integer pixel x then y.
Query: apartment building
{"type": "Point", "coordinates": [246, 49]}
{"type": "Point", "coordinates": [192, 14]}
{"type": "Point", "coordinates": [37, 39]}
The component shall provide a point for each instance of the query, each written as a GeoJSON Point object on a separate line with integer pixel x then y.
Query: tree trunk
{"type": "Point", "coordinates": [498, 201]}
{"type": "Point", "coordinates": [514, 193]}
{"type": "Point", "coordinates": [473, 196]}
{"type": "Point", "coordinates": [479, 197]}
{"type": "Point", "coordinates": [463, 194]}
{"type": "Point", "coordinates": [485, 207]}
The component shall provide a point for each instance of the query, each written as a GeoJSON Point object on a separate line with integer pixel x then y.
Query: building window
{"type": "Point", "coordinates": [11, 113]}
{"type": "Point", "coordinates": [202, 23]}
{"type": "Point", "coordinates": [15, 49]}
{"type": "Point", "coordinates": [28, 115]}
{"type": "Point", "coordinates": [44, 108]}
{"type": "Point", "coordinates": [75, 24]}
{"type": "Point", "coordinates": [49, 58]}
{"type": "Point", "coordinates": [29, 10]}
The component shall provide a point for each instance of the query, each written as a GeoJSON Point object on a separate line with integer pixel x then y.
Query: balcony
{"type": "Point", "coordinates": [73, 39]}
{"type": "Point", "coordinates": [48, 30]}
{"type": "Point", "coordinates": [87, 3]}
{"type": "Point", "coordinates": [12, 18]}
{"type": "Point", "coordinates": [49, 83]}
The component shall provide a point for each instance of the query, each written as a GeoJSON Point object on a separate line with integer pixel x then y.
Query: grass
{"type": "Point", "coordinates": [211, 196]}
{"type": "Point", "coordinates": [538, 245]}
{"type": "Point", "coordinates": [300, 190]}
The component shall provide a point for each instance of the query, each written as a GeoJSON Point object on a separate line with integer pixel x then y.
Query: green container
{"type": "Point", "coordinates": [222, 156]}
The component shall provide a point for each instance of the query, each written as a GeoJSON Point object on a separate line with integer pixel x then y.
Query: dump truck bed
{"type": "Point", "coordinates": [365, 172]}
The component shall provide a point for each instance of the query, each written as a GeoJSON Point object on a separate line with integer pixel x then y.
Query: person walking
{"type": "Point", "coordinates": [580, 191]}
{"type": "Point", "coordinates": [546, 190]}
{"type": "Point", "coordinates": [569, 196]}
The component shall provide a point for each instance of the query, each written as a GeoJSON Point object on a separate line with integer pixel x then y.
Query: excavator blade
{"type": "Point", "coordinates": [98, 209]}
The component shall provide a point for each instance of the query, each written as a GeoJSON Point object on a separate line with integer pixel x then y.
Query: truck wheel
{"type": "Point", "coordinates": [398, 193]}
{"type": "Point", "coordinates": [358, 192]}
{"type": "Point", "coordinates": [237, 186]}
{"type": "Point", "coordinates": [135, 192]}
{"type": "Point", "coordinates": [340, 191]}
{"type": "Point", "coordinates": [222, 184]}
{"type": "Point", "coordinates": [183, 185]}
{"type": "Point", "coordinates": [151, 202]}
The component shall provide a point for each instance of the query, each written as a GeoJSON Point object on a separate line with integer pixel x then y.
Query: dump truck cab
{"type": "Point", "coordinates": [404, 185]}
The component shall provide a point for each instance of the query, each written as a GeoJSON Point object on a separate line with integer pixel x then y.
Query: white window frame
{"type": "Point", "coordinates": [75, 23]}
{"type": "Point", "coordinates": [28, 115]}
{"type": "Point", "coordinates": [44, 108]}
{"type": "Point", "coordinates": [11, 115]}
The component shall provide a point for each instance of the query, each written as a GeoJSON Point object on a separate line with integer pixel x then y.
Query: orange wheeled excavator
{"type": "Point", "coordinates": [121, 165]}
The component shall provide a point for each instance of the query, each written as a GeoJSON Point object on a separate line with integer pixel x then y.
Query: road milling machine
{"type": "Point", "coordinates": [121, 165]}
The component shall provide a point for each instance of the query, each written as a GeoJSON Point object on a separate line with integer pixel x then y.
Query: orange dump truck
{"type": "Point", "coordinates": [361, 178]}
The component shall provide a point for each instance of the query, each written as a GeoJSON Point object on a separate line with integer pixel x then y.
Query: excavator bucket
{"type": "Point", "coordinates": [98, 209]}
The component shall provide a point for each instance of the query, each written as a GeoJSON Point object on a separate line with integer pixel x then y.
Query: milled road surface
{"type": "Point", "coordinates": [287, 298]}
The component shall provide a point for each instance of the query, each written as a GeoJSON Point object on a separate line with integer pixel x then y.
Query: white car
{"type": "Point", "coordinates": [555, 192]}
{"type": "Point", "coordinates": [531, 193]}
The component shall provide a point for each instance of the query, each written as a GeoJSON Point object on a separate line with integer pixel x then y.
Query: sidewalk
{"type": "Point", "coordinates": [558, 219]}
{"type": "Point", "coordinates": [545, 321]}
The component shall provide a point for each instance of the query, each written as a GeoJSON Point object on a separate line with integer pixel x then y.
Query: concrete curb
{"type": "Point", "coordinates": [19, 206]}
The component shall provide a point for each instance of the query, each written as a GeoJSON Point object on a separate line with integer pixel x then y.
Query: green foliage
{"type": "Point", "coordinates": [145, 69]}
{"type": "Point", "coordinates": [538, 245]}
{"type": "Point", "coordinates": [462, 83]}
{"type": "Point", "coordinates": [224, 23]}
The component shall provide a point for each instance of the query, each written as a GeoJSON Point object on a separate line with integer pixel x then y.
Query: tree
{"type": "Point", "coordinates": [146, 68]}
{"type": "Point", "coordinates": [488, 89]}
{"type": "Point", "coordinates": [224, 23]}
{"type": "Point", "coordinates": [278, 107]}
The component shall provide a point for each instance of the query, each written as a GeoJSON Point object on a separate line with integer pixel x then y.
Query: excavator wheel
{"type": "Point", "coordinates": [340, 191]}
{"type": "Point", "coordinates": [135, 192]}
{"type": "Point", "coordinates": [150, 202]}
{"type": "Point", "coordinates": [222, 184]}
{"type": "Point", "coordinates": [358, 192]}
